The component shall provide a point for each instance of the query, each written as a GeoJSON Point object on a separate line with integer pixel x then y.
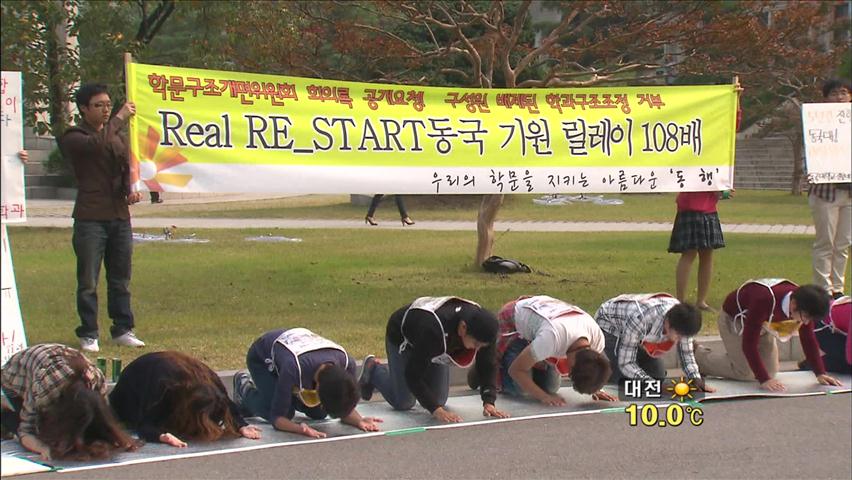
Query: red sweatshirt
{"type": "Point", "coordinates": [756, 302]}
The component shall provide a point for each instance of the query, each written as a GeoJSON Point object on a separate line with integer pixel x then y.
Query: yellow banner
{"type": "Point", "coordinates": [216, 131]}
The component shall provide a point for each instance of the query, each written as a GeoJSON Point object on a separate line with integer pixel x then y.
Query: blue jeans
{"type": "Point", "coordinates": [548, 378]}
{"type": "Point", "coordinates": [111, 243]}
{"type": "Point", "coordinates": [257, 401]}
{"type": "Point", "coordinates": [390, 381]}
{"type": "Point", "coordinates": [834, 346]}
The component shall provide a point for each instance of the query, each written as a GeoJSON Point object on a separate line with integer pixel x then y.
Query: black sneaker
{"type": "Point", "coordinates": [836, 295]}
{"type": "Point", "coordinates": [364, 382]}
{"type": "Point", "coordinates": [242, 381]}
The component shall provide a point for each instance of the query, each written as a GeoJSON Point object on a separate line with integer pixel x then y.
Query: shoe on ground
{"type": "Point", "coordinates": [364, 380]}
{"type": "Point", "coordinates": [242, 382]}
{"type": "Point", "coordinates": [88, 344]}
{"type": "Point", "coordinates": [129, 340]}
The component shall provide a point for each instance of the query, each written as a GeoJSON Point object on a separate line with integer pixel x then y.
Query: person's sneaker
{"type": "Point", "coordinates": [364, 380]}
{"type": "Point", "coordinates": [88, 344]}
{"type": "Point", "coordinates": [242, 381]}
{"type": "Point", "coordinates": [837, 295]}
{"type": "Point", "coordinates": [129, 340]}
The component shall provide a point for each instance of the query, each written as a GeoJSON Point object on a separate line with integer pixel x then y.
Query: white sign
{"type": "Point", "coordinates": [12, 209]}
{"type": "Point", "coordinates": [13, 339]}
{"type": "Point", "coordinates": [827, 131]}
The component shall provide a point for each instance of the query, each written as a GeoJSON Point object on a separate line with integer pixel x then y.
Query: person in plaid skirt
{"type": "Point", "coordinates": [697, 232]}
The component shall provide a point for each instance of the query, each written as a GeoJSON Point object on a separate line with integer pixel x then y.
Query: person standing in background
{"type": "Point", "coordinates": [102, 233]}
{"type": "Point", "coordinates": [697, 232]}
{"type": "Point", "coordinates": [400, 205]}
{"type": "Point", "coordinates": [831, 207]}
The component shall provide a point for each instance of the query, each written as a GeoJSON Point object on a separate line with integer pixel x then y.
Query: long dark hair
{"type": "Point", "coordinates": [78, 424]}
{"type": "Point", "coordinates": [201, 409]}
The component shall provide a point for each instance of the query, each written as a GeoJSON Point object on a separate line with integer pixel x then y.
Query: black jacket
{"type": "Point", "coordinates": [425, 343]}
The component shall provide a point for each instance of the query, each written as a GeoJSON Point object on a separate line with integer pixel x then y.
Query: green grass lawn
{"type": "Point", "coordinates": [212, 300]}
{"type": "Point", "coordinates": [747, 206]}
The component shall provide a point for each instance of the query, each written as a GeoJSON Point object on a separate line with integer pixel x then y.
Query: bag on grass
{"type": "Point", "coordinates": [495, 264]}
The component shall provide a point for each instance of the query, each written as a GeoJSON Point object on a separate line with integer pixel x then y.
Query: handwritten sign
{"type": "Point", "coordinates": [12, 339]}
{"type": "Point", "coordinates": [216, 131]}
{"type": "Point", "coordinates": [12, 205]}
{"type": "Point", "coordinates": [827, 128]}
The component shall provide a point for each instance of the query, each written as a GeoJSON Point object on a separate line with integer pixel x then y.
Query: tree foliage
{"type": "Point", "coordinates": [32, 34]}
{"type": "Point", "coordinates": [34, 42]}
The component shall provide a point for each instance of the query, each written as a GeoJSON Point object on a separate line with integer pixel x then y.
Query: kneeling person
{"type": "Point", "coordinates": [54, 399]}
{"type": "Point", "coordinates": [297, 369]}
{"type": "Point", "coordinates": [753, 317]}
{"type": "Point", "coordinates": [833, 336]}
{"type": "Point", "coordinates": [640, 328]}
{"type": "Point", "coordinates": [422, 340]}
{"type": "Point", "coordinates": [542, 339]}
{"type": "Point", "coordinates": [170, 397]}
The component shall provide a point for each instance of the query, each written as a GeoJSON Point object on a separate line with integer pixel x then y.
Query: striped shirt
{"type": "Point", "coordinates": [828, 191]}
{"type": "Point", "coordinates": [633, 322]}
{"type": "Point", "coordinates": [38, 374]}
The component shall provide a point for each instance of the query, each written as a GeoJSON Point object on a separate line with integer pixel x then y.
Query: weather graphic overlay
{"type": "Point", "coordinates": [662, 412]}
{"type": "Point", "coordinates": [681, 389]}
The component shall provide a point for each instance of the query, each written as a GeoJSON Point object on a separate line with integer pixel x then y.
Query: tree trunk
{"type": "Point", "coordinates": [798, 162]}
{"type": "Point", "coordinates": [485, 226]}
{"type": "Point", "coordinates": [56, 91]}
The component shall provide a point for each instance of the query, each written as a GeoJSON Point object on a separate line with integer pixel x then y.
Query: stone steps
{"type": "Point", "coordinates": [764, 164]}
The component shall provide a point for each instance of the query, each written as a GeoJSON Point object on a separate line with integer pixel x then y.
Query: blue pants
{"type": "Point", "coordinates": [390, 381]}
{"type": "Point", "coordinates": [834, 346]}
{"type": "Point", "coordinates": [548, 378]}
{"type": "Point", "coordinates": [111, 243]}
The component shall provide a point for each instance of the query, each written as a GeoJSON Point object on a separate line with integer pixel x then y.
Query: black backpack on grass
{"type": "Point", "coordinates": [495, 264]}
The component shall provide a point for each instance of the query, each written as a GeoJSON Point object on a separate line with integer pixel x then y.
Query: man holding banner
{"type": "Point", "coordinates": [102, 234]}
{"type": "Point", "coordinates": [829, 196]}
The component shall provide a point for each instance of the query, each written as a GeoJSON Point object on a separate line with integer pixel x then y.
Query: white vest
{"type": "Point", "coordinates": [548, 307]}
{"type": "Point", "coordinates": [829, 320]}
{"type": "Point", "coordinates": [299, 341]}
{"type": "Point", "coordinates": [431, 304]}
{"type": "Point", "coordinates": [783, 331]}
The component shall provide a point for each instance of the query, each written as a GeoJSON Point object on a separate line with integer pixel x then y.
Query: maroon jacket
{"type": "Point", "coordinates": [101, 166]}
{"type": "Point", "coordinates": [756, 301]}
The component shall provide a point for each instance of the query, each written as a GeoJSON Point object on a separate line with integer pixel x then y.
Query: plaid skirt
{"type": "Point", "coordinates": [696, 231]}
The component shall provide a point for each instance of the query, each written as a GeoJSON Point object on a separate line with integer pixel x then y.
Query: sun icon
{"type": "Point", "coordinates": [681, 388]}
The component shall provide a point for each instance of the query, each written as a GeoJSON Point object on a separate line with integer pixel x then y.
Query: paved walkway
{"type": "Point", "coordinates": [57, 213]}
{"type": "Point", "coordinates": [242, 223]}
